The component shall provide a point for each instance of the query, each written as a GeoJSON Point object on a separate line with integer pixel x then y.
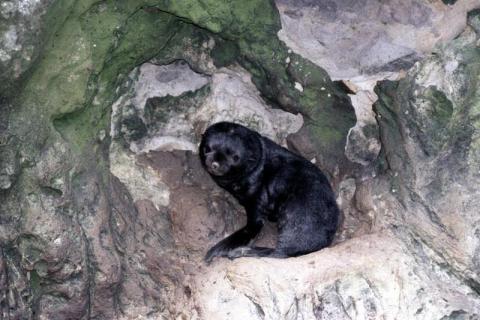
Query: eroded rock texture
{"type": "Point", "coordinates": [106, 213]}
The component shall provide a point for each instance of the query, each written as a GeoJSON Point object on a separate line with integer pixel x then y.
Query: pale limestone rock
{"type": "Point", "coordinates": [162, 80]}
{"type": "Point", "coordinates": [370, 277]}
{"type": "Point", "coordinates": [19, 34]}
{"type": "Point", "coordinates": [142, 182]}
{"type": "Point", "coordinates": [235, 98]}
{"type": "Point", "coordinates": [375, 36]}
{"type": "Point", "coordinates": [362, 42]}
{"type": "Point", "coordinates": [232, 97]}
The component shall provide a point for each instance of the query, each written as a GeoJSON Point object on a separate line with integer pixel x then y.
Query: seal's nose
{"type": "Point", "coordinates": [215, 165]}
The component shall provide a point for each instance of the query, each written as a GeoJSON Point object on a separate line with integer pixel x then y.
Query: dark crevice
{"type": "Point", "coordinates": [182, 19]}
{"type": "Point", "coordinates": [51, 191]}
{"type": "Point", "coordinates": [432, 215]}
{"type": "Point", "coordinates": [271, 93]}
{"type": "Point", "coordinates": [119, 193]}
{"type": "Point", "coordinates": [4, 287]}
{"type": "Point", "coordinates": [339, 296]}
{"type": "Point", "coordinates": [415, 244]}
{"type": "Point", "coordinates": [24, 303]}
{"type": "Point", "coordinates": [180, 60]}
{"type": "Point", "coordinates": [89, 271]}
{"type": "Point", "coordinates": [258, 307]}
{"type": "Point", "coordinates": [342, 87]}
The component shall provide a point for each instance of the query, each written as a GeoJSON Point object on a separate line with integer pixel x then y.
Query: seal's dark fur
{"type": "Point", "coordinates": [271, 183]}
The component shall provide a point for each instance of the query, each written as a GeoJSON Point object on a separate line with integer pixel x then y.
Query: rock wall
{"type": "Point", "coordinates": [106, 213]}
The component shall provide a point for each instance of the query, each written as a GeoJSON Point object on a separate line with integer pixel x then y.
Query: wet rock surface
{"type": "Point", "coordinates": [21, 36]}
{"type": "Point", "coordinates": [106, 213]}
{"type": "Point", "coordinates": [362, 42]}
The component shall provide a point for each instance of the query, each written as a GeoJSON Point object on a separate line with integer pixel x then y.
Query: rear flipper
{"type": "Point", "coordinates": [255, 252]}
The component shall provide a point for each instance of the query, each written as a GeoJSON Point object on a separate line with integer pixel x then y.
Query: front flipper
{"type": "Point", "coordinates": [239, 238]}
{"type": "Point", "coordinates": [255, 252]}
{"type": "Point", "coordinates": [221, 249]}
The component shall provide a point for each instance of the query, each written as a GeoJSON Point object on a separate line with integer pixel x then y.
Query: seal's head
{"type": "Point", "coordinates": [229, 150]}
